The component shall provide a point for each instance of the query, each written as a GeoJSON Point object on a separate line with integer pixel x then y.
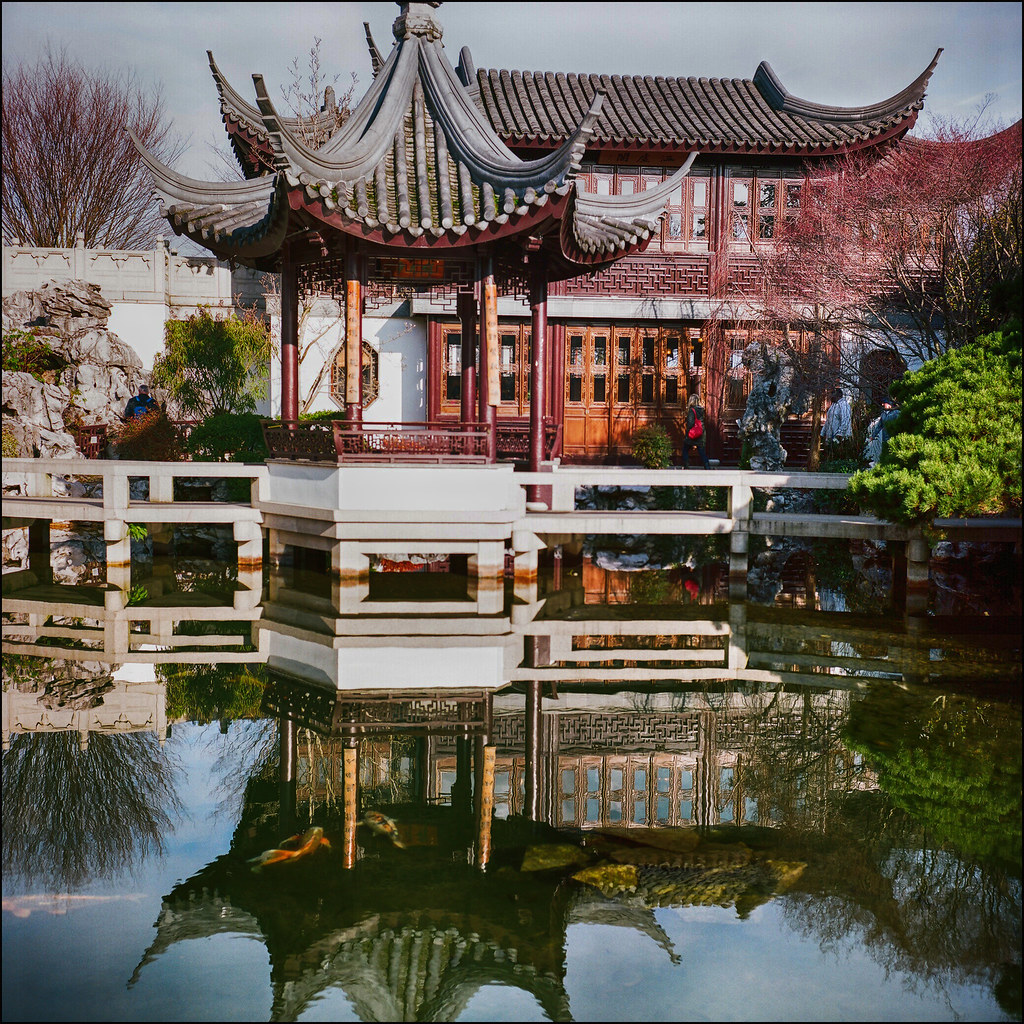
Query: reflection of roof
{"type": "Point", "coordinates": [729, 115]}
{"type": "Point", "coordinates": [417, 163]}
{"type": "Point", "coordinates": [411, 973]}
{"type": "Point", "coordinates": [391, 966]}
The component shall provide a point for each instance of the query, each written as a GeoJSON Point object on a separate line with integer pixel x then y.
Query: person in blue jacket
{"type": "Point", "coordinates": [140, 405]}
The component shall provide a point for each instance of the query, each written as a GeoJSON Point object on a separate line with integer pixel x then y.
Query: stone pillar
{"type": "Point", "coordinates": [488, 379]}
{"type": "Point", "coordinates": [487, 577]}
{"type": "Point", "coordinates": [737, 636]}
{"type": "Point", "coordinates": [119, 555]}
{"type": "Point", "coordinates": [467, 317]}
{"type": "Point", "coordinates": [350, 576]}
{"type": "Point", "coordinates": [289, 338]}
{"type": "Point", "coordinates": [740, 508]}
{"type": "Point", "coordinates": [250, 563]}
{"type": "Point", "coordinates": [39, 562]}
{"type": "Point", "coordinates": [527, 547]}
{"type": "Point", "coordinates": [538, 364]}
{"type": "Point", "coordinates": [353, 339]}
{"type": "Point", "coordinates": [919, 554]}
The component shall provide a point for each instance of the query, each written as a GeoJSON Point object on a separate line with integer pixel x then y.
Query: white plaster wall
{"type": "Point", "coordinates": [141, 325]}
{"type": "Point", "coordinates": [401, 343]}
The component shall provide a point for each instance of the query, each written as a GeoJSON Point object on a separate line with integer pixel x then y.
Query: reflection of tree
{"type": "Point", "coordinates": [210, 693]}
{"type": "Point", "coordinates": [925, 872]}
{"type": "Point", "coordinates": [950, 768]}
{"type": "Point", "coordinates": [72, 815]}
{"type": "Point", "coordinates": [905, 805]}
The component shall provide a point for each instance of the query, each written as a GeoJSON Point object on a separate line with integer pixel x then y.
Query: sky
{"type": "Point", "coordinates": [842, 53]}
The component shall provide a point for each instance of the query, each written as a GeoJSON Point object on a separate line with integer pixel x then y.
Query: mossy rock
{"type": "Point", "coordinates": [609, 878]}
{"type": "Point", "coordinates": [552, 856]}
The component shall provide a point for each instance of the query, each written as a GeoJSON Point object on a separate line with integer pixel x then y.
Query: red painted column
{"type": "Point", "coordinates": [289, 338]}
{"type": "Point", "coordinates": [467, 316]}
{"type": "Point", "coordinates": [488, 352]}
{"type": "Point", "coordinates": [353, 339]}
{"type": "Point", "coordinates": [539, 358]}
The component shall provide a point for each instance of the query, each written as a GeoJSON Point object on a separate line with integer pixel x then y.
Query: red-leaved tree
{"type": "Point", "coordinates": [912, 253]}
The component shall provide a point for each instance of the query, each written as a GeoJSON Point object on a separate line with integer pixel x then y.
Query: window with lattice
{"type": "Point", "coordinates": [371, 375]}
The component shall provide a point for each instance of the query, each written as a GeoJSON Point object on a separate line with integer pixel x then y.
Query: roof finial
{"type": "Point", "coordinates": [417, 20]}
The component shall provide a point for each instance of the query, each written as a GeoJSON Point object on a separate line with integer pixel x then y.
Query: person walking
{"type": "Point", "coordinates": [695, 431]}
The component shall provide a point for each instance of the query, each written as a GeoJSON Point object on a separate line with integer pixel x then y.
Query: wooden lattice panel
{"type": "Point", "coordinates": [637, 731]}
{"type": "Point", "coordinates": [668, 277]}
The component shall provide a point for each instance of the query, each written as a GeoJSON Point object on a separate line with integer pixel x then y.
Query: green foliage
{"type": "Point", "coordinates": [948, 768]}
{"type": "Point", "coordinates": [11, 449]}
{"type": "Point", "coordinates": [23, 352]}
{"type": "Point", "coordinates": [138, 531]}
{"type": "Point", "coordinates": [228, 437]}
{"type": "Point", "coordinates": [957, 446]}
{"type": "Point", "coordinates": [211, 366]}
{"type": "Point", "coordinates": [154, 438]}
{"type": "Point", "coordinates": [652, 447]}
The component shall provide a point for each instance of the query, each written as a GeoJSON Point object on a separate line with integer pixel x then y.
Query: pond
{"type": "Point", "coordinates": [601, 818]}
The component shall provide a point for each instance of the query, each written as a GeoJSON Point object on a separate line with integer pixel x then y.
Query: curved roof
{"type": "Point", "coordinates": [416, 164]}
{"type": "Point", "coordinates": [723, 115]}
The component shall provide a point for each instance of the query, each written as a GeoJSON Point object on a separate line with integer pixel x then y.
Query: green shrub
{"type": "Point", "coordinates": [23, 352]}
{"type": "Point", "coordinates": [652, 447]}
{"type": "Point", "coordinates": [957, 447]}
{"type": "Point", "coordinates": [228, 437]}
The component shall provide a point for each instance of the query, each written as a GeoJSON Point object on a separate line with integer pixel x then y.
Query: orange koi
{"type": "Point", "coordinates": [383, 826]}
{"type": "Point", "coordinates": [299, 845]}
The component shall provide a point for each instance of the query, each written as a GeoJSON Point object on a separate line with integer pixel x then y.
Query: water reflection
{"type": "Point", "coordinates": [600, 759]}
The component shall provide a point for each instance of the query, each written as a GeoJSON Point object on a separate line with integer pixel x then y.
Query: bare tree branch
{"type": "Point", "coordinates": [68, 163]}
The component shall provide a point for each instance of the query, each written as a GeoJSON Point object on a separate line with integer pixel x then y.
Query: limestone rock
{"type": "Point", "coordinates": [773, 396]}
{"type": "Point", "coordinates": [71, 318]}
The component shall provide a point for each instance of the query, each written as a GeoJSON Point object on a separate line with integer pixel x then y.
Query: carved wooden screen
{"type": "Point", "coordinates": [513, 369]}
{"type": "Point", "coordinates": [617, 378]}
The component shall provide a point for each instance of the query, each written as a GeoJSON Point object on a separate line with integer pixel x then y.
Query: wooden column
{"type": "Point", "coordinates": [531, 808]}
{"type": "Point", "coordinates": [539, 361]}
{"type": "Point", "coordinates": [488, 378]}
{"type": "Point", "coordinates": [353, 339]}
{"type": "Point", "coordinates": [467, 316]}
{"type": "Point", "coordinates": [485, 755]}
{"type": "Point", "coordinates": [350, 771]}
{"type": "Point", "coordinates": [289, 337]}
{"type": "Point", "coordinates": [288, 753]}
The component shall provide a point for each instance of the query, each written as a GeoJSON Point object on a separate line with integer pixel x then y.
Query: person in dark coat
{"type": "Point", "coordinates": [140, 405]}
{"type": "Point", "coordinates": [695, 432]}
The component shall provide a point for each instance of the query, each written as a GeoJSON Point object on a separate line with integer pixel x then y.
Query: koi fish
{"type": "Point", "coordinates": [382, 825]}
{"type": "Point", "coordinates": [299, 845]}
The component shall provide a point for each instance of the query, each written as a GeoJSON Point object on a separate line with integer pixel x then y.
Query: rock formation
{"type": "Point", "coordinates": [101, 373]}
{"type": "Point", "coordinates": [773, 396]}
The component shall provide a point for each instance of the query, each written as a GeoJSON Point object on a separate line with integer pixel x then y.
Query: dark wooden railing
{"type": "Point", "coordinates": [439, 442]}
{"type": "Point", "coordinates": [514, 441]}
{"type": "Point", "coordinates": [342, 441]}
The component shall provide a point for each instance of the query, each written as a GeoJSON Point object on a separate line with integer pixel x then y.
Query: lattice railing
{"type": "Point", "coordinates": [514, 441]}
{"type": "Point", "coordinates": [342, 441]}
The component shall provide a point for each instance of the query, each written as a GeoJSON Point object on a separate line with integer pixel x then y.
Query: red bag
{"type": "Point", "coordinates": [696, 432]}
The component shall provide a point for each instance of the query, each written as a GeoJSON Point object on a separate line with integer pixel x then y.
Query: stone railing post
{"type": "Point", "coordinates": [740, 510]}
{"type": "Point", "coordinates": [79, 261]}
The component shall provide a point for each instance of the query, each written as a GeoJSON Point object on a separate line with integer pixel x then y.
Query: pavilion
{"type": "Point", "coordinates": [641, 205]}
